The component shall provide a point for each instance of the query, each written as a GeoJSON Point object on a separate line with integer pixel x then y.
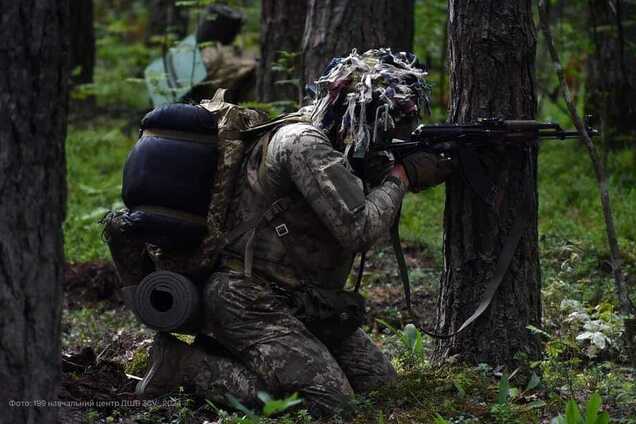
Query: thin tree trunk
{"type": "Point", "coordinates": [82, 35]}
{"type": "Point", "coordinates": [33, 107]}
{"type": "Point", "coordinates": [626, 306]}
{"type": "Point", "coordinates": [334, 27]}
{"type": "Point", "coordinates": [492, 53]}
{"type": "Point", "coordinates": [443, 65]}
{"type": "Point", "coordinates": [166, 18]}
{"type": "Point", "coordinates": [282, 26]}
{"type": "Point", "coordinates": [611, 79]}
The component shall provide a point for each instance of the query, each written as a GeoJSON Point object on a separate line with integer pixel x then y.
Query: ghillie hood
{"type": "Point", "coordinates": [362, 93]}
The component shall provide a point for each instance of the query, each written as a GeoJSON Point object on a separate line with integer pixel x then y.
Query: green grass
{"type": "Point", "coordinates": [95, 155]}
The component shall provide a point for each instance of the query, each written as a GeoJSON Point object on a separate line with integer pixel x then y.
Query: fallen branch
{"type": "Point", "coordinates": [625, 304]}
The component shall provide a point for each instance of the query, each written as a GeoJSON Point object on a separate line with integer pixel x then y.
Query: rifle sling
{"type": "Point", "coordinates": [503, 263]}
{"type": "Point", "coordinates": [399, 256]}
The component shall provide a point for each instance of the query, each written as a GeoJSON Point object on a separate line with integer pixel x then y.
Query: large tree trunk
{"type": "Point", "coordinates": [82, 35]}
{"type": "Point", "coordinates": [334, 27]}
{"type": "Point", "coordinates": [33, 107]}
{"type": "Point", "coordinates": [282, 26]}
{"type": "Point", "coordinates": [492, 53]}
{"type": "Point", "coordinates": [611, 78]}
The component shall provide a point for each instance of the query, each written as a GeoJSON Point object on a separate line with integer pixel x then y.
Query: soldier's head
{"type": "Point", "coordinates": [363, 98]}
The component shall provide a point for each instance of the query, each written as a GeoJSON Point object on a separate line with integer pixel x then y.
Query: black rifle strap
{"type": "Point", "coordinates": [503, 263]}
{"type": "Point", "coordinates": [363, 259]}
{"type": "Point", "coordinates": [363, 254]}
{"type": "Point", "coordinates": [399, 256]}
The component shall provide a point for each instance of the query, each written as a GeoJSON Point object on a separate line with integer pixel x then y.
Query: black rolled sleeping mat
{"type": "Point", "coordinates": [181, 117]}
{"type": "Point", "coordinates": [167, 170]}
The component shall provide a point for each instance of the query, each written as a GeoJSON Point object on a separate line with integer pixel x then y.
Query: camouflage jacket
{"type": "Point", "coordinates": [330, 219]}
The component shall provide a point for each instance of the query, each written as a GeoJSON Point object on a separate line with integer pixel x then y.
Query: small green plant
{"type": "Point", "coordinates": [271, 407]}
{"type": "Point", "coordinates": [501, 410]}
{"type": "Point", "coordinates": [440, 420]}
{"type": "Point", "coordinates": [593, 414]}
{"type": "Point", "coordinates": [184, 413]}
{"type": "Point", "coordinates": [92, 416]}
{"type": "Point", "coordinates": [139, 362]}
{"type": "Point", "coordinates": [411, 341]}
{"type": "Point", "coordinates": [511, 402]}
{"type": "Point", "coordinates": [380, 417]}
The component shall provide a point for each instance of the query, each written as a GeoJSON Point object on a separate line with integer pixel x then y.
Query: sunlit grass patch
{"type": "Point", "coordinates": [95, 155]}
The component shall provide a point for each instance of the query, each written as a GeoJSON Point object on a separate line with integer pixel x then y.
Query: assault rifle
{"type": "Point", "coordinates": [465, 141]}
{"type": "Point", "coordinates": [486, 132]}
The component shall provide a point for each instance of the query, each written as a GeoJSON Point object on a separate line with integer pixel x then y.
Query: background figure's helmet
{"type": "Point", "coordinates": [360, 94]}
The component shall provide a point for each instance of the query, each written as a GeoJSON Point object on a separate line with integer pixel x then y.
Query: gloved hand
{"type": "Point", "coordinates": [377, 166]}
{"type": "Point", "coordinates": [426, 170]}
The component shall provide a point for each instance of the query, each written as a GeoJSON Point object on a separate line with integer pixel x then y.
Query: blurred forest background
{"type": "Point", "coordinates": [114, 41]}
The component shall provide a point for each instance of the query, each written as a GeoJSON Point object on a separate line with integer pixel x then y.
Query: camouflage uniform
{"type": "Point", "coordinates": [330, 220]}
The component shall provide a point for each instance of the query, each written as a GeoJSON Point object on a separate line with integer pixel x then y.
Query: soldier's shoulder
{"type": "Point", "coordinates": [297, 138]}
{"type": "Point", "coordinates": [299, 133]}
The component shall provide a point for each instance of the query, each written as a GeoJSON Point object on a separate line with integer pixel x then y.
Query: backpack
{"type": "Point", "coordinates": [179, 180]}
{"type": "Point", "coordinates": [181, 174]}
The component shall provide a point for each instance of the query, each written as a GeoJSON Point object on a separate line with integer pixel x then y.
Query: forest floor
{"type": "Point", "coordinates": [104, 345]}
{"type": "Point", "coordinates": [106, 351]}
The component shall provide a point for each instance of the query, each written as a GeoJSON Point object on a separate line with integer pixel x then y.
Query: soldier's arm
{"type": "Point", "coordinates": [337, 195]}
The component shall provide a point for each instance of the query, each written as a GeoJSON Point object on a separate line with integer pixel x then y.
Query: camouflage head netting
{"type": "Point", "coordinates": [363, 93]}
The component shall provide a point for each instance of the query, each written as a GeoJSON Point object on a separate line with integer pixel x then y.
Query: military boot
{"type": "Point", "coordinates": [167, 372]}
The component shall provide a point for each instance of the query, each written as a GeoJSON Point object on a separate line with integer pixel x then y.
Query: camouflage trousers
{"type": "Point", "coordinates": [273, 351]}
{"type": "Point", "coordinates": [261, 345]}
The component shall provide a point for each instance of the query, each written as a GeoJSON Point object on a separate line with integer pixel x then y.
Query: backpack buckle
{"type": "Point", "coordinates": [281, 230]}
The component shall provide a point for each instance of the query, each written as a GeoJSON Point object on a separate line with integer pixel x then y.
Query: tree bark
{"type": "Point", "coordinates": [492, 52]}
{"type": "Point", "coordinates": [82, 34]}
{"type": "Point", "coordinates": [282, 26]}
{"type": "Point", "coordinates": [611, 79]}
{"type": "Point", "coordinates": [334, 27]}
{"type": "Point", "coordinates": [33, 108]}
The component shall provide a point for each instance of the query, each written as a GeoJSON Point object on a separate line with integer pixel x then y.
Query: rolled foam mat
{"type": "Point", "coordinates": [167, 301]}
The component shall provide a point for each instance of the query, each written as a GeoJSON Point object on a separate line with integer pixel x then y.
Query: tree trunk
{"type": "Point", "coordinates": [492, 53]}
{"type": "Point", "coordinates": [82, 35]}
{"type": "Point", "coordinates": [282, 26]}
{"type": "Point", "coordinates": [611, 79]}
{"type": "Point", "coordinates": [334, 27]}
{"type": "Point", "coordinates": [33, 107]}
{"type": "Point", "coordinates": [166, 18]}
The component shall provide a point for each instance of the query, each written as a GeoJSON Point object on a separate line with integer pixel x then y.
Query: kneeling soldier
{"type": "Point", "coordinates": [276, 317]}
